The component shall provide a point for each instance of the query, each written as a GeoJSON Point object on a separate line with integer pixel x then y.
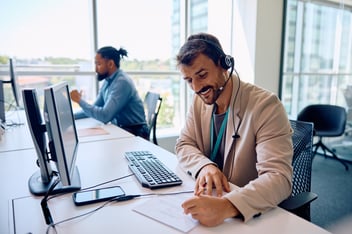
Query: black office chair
{"type": "Point", "coordinates": [152, 104]}
{"type": "Point", "coordinates": [301, 197]}
{"type": "Point", "coordinates": [329, 121]}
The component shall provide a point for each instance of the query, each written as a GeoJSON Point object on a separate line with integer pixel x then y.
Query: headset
{"type": "Point", "coordinates": [226, 61]}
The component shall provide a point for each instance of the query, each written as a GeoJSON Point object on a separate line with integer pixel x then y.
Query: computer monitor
{"type": "Point", "coordinates": [13, 81]}
{"type": "Point", "coordinates": [38, 130]}
{"type": "Point", "coordinates": [55, 139]}
{"type": "Point", "coordinates": [14, 87]}
{"type": "Point", "coordinates": [2, 104]}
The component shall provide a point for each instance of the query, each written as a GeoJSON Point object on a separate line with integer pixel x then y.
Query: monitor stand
{"type": "Point", "coordinates": [37, 187]}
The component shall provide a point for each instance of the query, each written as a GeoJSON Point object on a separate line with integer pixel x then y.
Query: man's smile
{"type": "Point", "coordinates": [204, 90]}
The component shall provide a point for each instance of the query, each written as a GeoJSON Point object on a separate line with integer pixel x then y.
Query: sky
{"type": "Point", "coordinates": [39, 28]}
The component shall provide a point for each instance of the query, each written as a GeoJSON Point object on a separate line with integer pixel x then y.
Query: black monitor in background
{"type": "Point", "coordinates": [7, 104]}
{"type": "Point", "coordinates": [2, 105]}
{"type": "Point", "coordinates": [13, 82]}
{"type": "Point", "coordinates": [55, 139]}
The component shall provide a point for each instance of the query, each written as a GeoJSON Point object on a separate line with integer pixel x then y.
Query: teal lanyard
{"type": "Point", "coordinates": [218, 140]}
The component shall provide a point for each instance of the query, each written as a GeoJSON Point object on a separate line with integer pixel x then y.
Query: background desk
{"type": "Point", "coordinates": [16, 136]}
{"type": "Point", "coordinates": [103, 161]}
{"type": "Point", "coordinates": [19, 137]}
{"type": "Point", "coordinates": [95, 127]}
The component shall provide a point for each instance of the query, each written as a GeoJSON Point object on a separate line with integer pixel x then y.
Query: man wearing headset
{"type": "Point", "coordinates": [118, 101]}
{"type": "Point", "coordinates": [235, 132]}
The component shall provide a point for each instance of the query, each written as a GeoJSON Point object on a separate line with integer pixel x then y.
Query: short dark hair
{"type": "Point", "coordinates": [109, 52]}
{"type": "Point", "coordinates": [201, 43]}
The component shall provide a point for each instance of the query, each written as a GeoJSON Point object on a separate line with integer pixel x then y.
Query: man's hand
{"type": "Point", "coordinates": [209, 211]}
{"type": "Point", "coordinates": [211, 177]}
{"type": "Point", "coordinates": [76, 96]}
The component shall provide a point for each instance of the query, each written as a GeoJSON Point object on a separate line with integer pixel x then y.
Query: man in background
{"type": "Point", "coordinates": [118, 101]}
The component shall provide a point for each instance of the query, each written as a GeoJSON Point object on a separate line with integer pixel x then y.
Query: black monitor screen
{"type": "Point", "coordinates": [66, 124]}
{"type": "Point", "coordinates": [14, 84]}
{"type": "Point", "coordinates": [2, 104]}
{"type": "Point", "coordinates": [61, 128]}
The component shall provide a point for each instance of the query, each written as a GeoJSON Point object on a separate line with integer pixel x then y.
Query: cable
{"type": "Point", "coordinates": [171, 193]}
{"type": "Point", "coordinates": [118, 199]}
{"type": "Point", "coordinates": [235, 136]}
{"type": "Point", "coordinates": [109, 181]}
{"type": "Point", "coordinates": [52, 225]}
{"type": "Point", "coordinates": [44, 203]}
{"type": "Point", "coordinates": [234, 102]}
{"type": "Point", "coordinates": [94, 186]}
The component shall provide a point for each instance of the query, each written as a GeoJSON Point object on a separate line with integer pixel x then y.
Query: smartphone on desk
{"type": "Point", "coordinates": [86, 197]}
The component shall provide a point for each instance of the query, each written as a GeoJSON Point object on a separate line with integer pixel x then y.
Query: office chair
{"type": "Point", "coordinates": [329, 121]}
{"type": "Point", "coordinates": [301, 196]}
{"type": "Point", "coordinates": [152, 104]}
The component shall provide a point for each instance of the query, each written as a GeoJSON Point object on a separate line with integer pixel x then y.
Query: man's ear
{"type": "Point", "coordinates": [111, 63]}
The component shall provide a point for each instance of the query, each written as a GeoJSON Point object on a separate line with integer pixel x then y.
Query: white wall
{"type": "Point", "coordinates": [268, 44]}
{"type": "Point", "coordinates": [257, 41]}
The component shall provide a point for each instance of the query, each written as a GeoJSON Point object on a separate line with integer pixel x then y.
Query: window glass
{"type": "Point", "coordinates": [317, 54]}
{"type": "Point", "coordinates": [149, 31]}
{"type": "Point", "coordinates": [49, 41]}
{"type": "Point", "coordinates": [53, 41]}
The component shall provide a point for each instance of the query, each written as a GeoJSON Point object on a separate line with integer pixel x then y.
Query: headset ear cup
{"type": "Point", "coordinates": [226, 61]}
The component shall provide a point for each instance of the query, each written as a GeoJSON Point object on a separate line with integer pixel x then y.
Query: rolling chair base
{"type": "Point", "coordinates": [325, 148]}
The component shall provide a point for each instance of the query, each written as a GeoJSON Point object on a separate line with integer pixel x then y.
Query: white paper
{"type": "Point", "coordinates": [167, 210]}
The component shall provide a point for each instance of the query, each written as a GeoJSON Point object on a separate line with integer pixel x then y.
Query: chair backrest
{"type": "Point", "coordinates": [329, 120]}
{"type": "Point", "coordinates": [301, 197]}
{"type": "Point", "coordinates": [152, 104]}
{"type": "Point", "coordinates": [302, 140]}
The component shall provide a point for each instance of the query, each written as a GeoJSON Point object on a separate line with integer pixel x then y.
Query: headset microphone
{"type": "Point", "coordinates": [221, 88]}
{"type": "Point", "coordinates": [235, 136]}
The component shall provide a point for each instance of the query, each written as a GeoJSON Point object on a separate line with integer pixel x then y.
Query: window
{"type": "Point", "coordinates": [317, 62]}
{"type": "Point", "coordinates": [49, 41]}
{"type": "Point", "coordinates": [145, 30]}
{"type": "Point", "coordinates": [52, 41]}
{"type": "Point", "coordinates": [56, 40]}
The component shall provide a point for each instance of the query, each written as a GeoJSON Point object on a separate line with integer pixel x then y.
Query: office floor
{"type": "Point", "coordinates": [333, 184]}
{"type": "Point", "coordinates": [342, 146]}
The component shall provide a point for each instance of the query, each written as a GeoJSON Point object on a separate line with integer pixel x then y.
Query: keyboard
{"type": "Point", "coordinates": [150, 171]}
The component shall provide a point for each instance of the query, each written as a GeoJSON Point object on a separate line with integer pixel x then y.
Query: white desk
{"type": "Point", "coordinates": [19, 137]}
{"type": "Point", "coordinates": [103, 161]}
{"type": "Point", "coordinates": [16, 138]}
{"type": "Point", "coordinates": [92, 130]}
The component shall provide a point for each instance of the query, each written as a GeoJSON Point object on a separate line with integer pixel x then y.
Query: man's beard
{"type": "Point", "coordinates": [101, 77]}
{"type": "Point", "coordinates": [216, 94]}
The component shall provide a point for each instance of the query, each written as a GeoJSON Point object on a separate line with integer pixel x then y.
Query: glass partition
{"type": "Point", "coordinates": [317, 61]}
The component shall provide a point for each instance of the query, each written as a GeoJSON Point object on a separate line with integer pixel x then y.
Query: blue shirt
{"type": "Point", "coordinates": [117, 102]}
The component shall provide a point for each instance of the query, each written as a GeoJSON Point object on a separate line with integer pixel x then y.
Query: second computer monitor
{"type": "Point", "coordinates": [55, 140]}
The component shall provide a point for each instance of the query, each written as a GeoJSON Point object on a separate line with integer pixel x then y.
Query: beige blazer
{"type": "Point", "coordinates": [259, 161]}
